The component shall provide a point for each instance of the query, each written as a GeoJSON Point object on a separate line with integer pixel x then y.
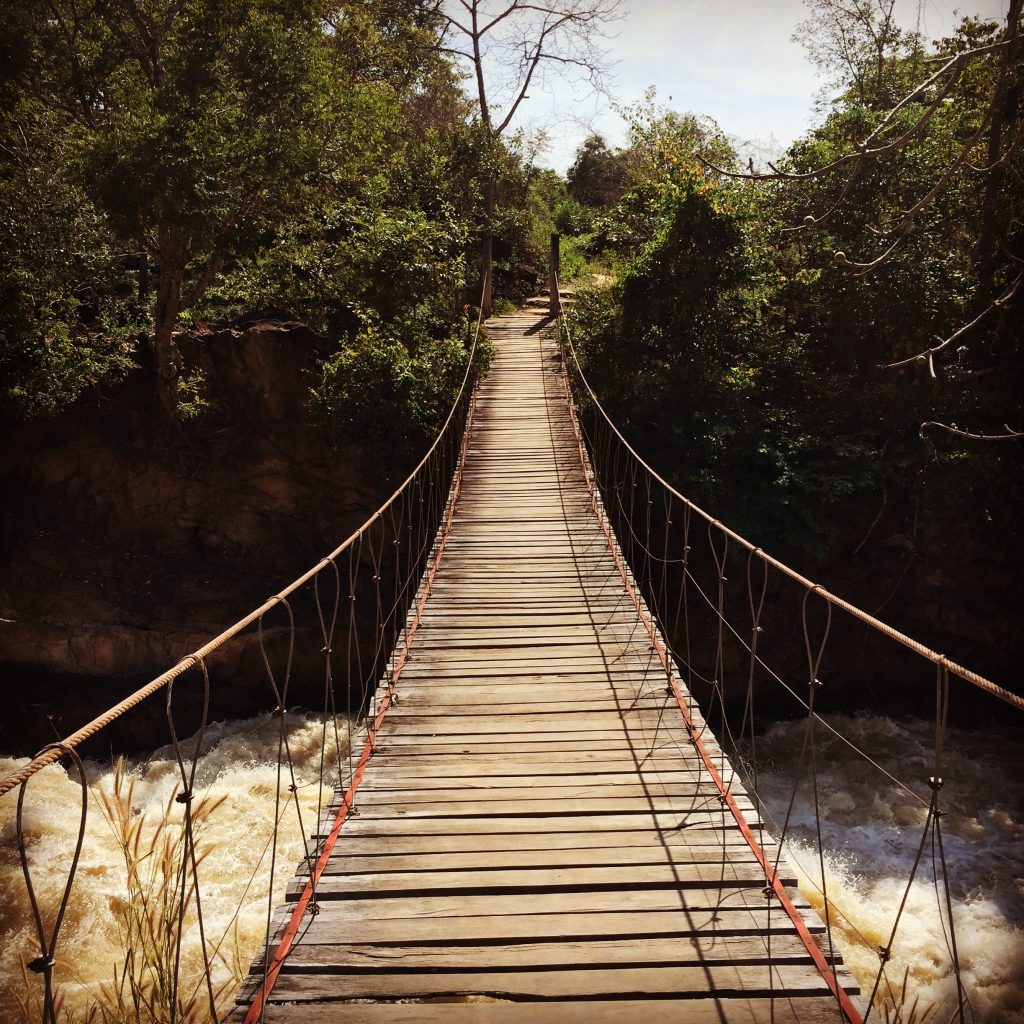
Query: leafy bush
{"type": "Point", "coordinates": [386, 398]}
{"type": "Point", "coordinates": [701, 380]}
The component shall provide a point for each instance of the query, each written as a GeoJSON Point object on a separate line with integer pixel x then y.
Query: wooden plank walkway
{"type": "Point", "coordinates": [536, 838]}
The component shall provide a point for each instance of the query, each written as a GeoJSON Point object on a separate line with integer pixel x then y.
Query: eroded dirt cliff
{"type": "Point", "coordinates": [124, 550]}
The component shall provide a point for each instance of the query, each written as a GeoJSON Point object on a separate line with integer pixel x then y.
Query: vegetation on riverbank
{"type": "Point", "coordinates": [164, 178]}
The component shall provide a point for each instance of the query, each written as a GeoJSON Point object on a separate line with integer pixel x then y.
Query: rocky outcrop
{"type": "Point", "coordinates": [123, 551]}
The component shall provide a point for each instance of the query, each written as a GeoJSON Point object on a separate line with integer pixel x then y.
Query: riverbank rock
{"type": "Point", "coordinates": [124, 551]}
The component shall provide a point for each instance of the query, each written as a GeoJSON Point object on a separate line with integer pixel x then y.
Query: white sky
{"type": "Point", "coordinates": [733, 60]}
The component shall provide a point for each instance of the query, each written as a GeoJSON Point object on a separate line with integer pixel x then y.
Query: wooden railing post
{"type": "Point", "coordinates": [553, 274]}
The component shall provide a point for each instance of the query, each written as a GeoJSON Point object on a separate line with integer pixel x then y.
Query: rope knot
{"type": "Point", "coordinates": [41, 964]}
{"type": "Point", "coordinates": [184, 797]}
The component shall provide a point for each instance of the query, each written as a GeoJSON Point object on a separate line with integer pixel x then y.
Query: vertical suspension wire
{"type": "Point", "coordinates": [629, 518]}
{"type": "Point", "coordinates": [389, 636]}
{"type": "Point", "coordinates": [389, 632]}
{"type": "Point", "coordinates": [718, 673]}
{"type": "Point", "coordinates": [662, 613]}
{"type": "Point", "coordinates": [280, 696]}
{"type": "Point", "coordinates": [814, 684]}
{"type": "Point", "coordinates": [368, 707]}
{"type": "Point", "coordinates": [936, 781]}
{"type": "Point", "coordinates": [189, 858]}
{"type": "Point", "coordinates": [353, 655]}
{"type": "Point", "coordinates": [328, 625]}
{"type": "Point", "coordinates": [645, 572]}
{"type": "Point", "coordinates": [755, 600]}
{"type": "Point", "coordinates": [47, 959]}
{"type": "Point", "coordinates": [885, 952]}
{"type": "Point", "coordinates": [683, 606]}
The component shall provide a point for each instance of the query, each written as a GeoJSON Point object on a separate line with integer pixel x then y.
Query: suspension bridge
{"type": "Point", "coordinates": [535, 821]}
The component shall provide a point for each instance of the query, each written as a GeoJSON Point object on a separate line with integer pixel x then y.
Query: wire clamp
{"type": "Point", "coordinates": [768, 892]}
{"type": "Point", "coordinates": [935, 782]}
{"type": "Point", "coordinates": [184, 797]}
{"type": "Point", "coordinates": [884, 954]}
{"type": "Point", "coordinates": [41, 964]}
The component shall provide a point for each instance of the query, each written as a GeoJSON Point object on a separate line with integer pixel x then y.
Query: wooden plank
{"type": "Point", "coordinates": [380, 824]}
{"type": "Point", "coordinates": [608, 800]}
{"type": "Point", "coordinates": [340, 923]}
{"type": "Point", "coordinates": [556, 984]}
{"type": "Point", "coordinates": [646, 950]}
{"type": "Point", "coordinates": [343, 861]}
{"type": "Point", "coordinates": [338, 883]}
{"type": "Point", "coordinates": [783, 1009]}
{"type": "Point", "coordinates": [389, 778]}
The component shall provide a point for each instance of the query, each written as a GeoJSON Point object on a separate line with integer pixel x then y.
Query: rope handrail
{"type": "Point", "coordinates": [968, 675]}
{"type": "Point", "coordinates": [197, 657]}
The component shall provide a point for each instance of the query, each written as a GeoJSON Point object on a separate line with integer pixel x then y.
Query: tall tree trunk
{"type": "Point", "coordinates": [487, 248]}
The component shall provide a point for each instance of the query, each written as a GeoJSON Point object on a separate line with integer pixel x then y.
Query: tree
{"type": "Point", "coordinates": [193, 125]}
{"type": "Point", "coordinates": [931, 139]}
{"type": "Point", "coordinates": [598, 176]}
{"type": "Point", "coordinates": [853, 42]}
{"type": "Point", "coordinates": [509, 47]}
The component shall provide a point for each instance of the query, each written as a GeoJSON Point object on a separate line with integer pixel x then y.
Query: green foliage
{"type": "Point", "coordinates": [387, 399]}
{"type": "Point", "coordinates": [193, 404]}
{"type": "Point", "coordinates": [748, 363]}
{"type": "Point", "coordinates": [573, 218]}
{"type": "Point", "coordinates": [573, 256]}
{"type": "Point", "coordinates": [68, 307]}
{"type": "Point", "coordinates": [599, 175]}
{"type": "Point", "coordinates": [219, 161]}
{"type": "Point", "coordinates": [701, 381]}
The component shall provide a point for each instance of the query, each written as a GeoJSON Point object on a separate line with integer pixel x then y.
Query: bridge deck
{"type": "Point", "coordinates": [536, 825]}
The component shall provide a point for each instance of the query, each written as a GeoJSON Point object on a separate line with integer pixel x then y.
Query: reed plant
{"type": "Point", "coordinates": [155, 979]}
{"type": "Point", "coordinates": [155, 983]}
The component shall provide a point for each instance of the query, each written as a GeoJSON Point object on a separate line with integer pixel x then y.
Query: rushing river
{"type": "Point", "coordinates": [238, 777]}
{"type": "Point", "coordinates": [870, 832]}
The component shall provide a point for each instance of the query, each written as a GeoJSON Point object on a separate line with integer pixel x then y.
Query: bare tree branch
{"type": "Point", "coordinates": [926, 355]}
{"type": "Point", "coordinates": [951, 428]}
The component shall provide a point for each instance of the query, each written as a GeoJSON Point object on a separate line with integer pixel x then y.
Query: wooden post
{"type": "Point", "coordinates": [556, 266]}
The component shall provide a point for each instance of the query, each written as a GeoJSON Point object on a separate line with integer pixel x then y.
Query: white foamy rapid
{"type": "Point", "coordinates": [871, 831]}
{"type": "Point", "coordinates": [238, 769]}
